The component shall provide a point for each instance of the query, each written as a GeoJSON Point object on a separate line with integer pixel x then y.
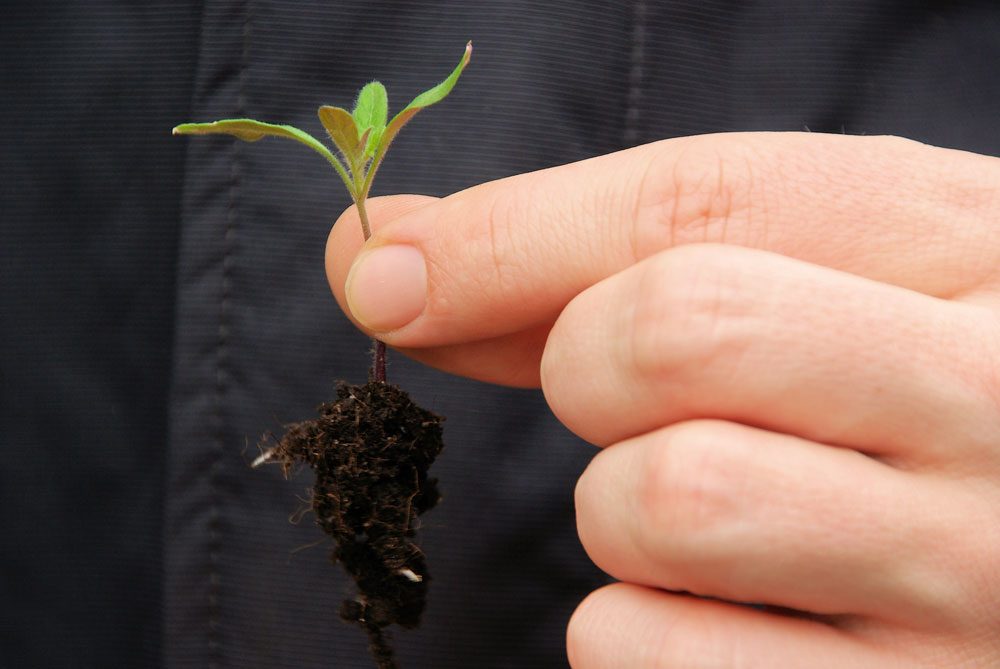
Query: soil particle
{"type": "Point", "coordinates": [370, 450]}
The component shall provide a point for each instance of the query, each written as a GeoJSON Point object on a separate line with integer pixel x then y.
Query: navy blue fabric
{"type": "Point", "coordinates": [90, 202]}
{"type": "Point", "coordinates": [164, 304]}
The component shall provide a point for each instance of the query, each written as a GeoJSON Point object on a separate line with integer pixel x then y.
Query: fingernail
{"type": "Point", "coordinates": [387, 287]}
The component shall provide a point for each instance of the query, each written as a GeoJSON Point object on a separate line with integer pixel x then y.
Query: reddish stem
{"type": "Point", "coordinates": [378, 356]}
{"type": "Point", "coordinates": [378, 362]}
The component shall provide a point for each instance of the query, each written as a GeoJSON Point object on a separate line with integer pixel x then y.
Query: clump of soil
{"type": "Point", "coordinates": [370, 450]}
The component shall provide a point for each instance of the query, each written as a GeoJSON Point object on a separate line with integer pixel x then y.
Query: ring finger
{"type": "Point", "coordinates": [741, 514]}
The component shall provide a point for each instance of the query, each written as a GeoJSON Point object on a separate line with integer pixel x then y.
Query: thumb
{"type": "Point", "coordinates": [505, 257]}
{"type": "Point", "coordinates": [448, 271]}
{"type": "Point", "coordinates": [346, 241]}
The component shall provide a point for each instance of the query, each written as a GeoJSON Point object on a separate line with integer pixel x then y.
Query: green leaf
{"type": "Point", "coordinates": [425, 99]}
{"type": "Point", "coordinates": [381, 140]}
{"type": "Point", "coordinates": [373, 140]}
{"type": "Point", "coordinates": [250, 130]}
{"type": "Point", "coordinates": [370, 112]}
{"type": "Point", "coordinates": [372, 108]}
{"type": "Point", "coordinates": [340, 125]}
{"type": "Point", "coordinates": [440, 92]}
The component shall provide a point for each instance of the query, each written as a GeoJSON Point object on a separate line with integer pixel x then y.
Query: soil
{"type": "Point", "coordinates": [370, 450]}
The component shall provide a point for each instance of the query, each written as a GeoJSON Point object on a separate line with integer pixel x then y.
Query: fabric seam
{"type": "Point", "coordinates": [635, 76]}
{"type": "Point", "coordinates": [216, 658]}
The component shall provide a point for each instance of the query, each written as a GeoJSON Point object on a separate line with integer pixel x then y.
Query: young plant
{"type": "Point", "coordinates": [362, 137]}
{"type": "Point", "coordinates": [371, 448]}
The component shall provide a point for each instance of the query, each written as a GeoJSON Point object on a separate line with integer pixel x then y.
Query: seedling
{"type": "Point", "coordinates": [372, 447]}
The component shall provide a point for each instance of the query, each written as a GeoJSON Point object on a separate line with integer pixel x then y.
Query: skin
{"type": "Point", "coordinates": [787, 346]}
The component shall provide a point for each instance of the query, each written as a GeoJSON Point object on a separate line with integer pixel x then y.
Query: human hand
{"type": "Point", "coordinates": [789, 345]}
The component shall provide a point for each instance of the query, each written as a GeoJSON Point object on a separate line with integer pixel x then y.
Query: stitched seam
{"type": "Point", "coordinates": [166, 649]}
{"type": "Point", "coordinates": [222, 367]}
{"type": "Point", "coordinates": [636, 59]}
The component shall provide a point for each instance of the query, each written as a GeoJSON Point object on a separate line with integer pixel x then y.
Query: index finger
{"type": "Point", "coordinates": [506, 256]}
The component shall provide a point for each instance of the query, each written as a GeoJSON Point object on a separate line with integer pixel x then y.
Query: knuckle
{"type": "Point", "coordinates": [583, 628]}
{"type": "Point", "coordinates": [565, 353]}
{"type": "Point", "coordinates": [697, 190]}
{"type": "Point", "coordinates": [973, 357]}
{"type": "Point", "coordinates": [955, 565]}
{"type": "Point", "coordinates": [991, 362]}
{"type": "Point", "coordinates": [597, 507]}
{"type": "Point", "coordinates": [688, 491]}
{"type": "Point", "coordinates": [689, 313]}
{"type": "Point", "coordinates": [583, 493]}
{"type": "Point", "coordinates": [503, 253]}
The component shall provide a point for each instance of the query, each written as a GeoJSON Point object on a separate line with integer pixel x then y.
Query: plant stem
{"type": "Point", "coordinates": [363, 213]}
{"type": "Point", "coordinates": [378, 362]}
{"type": "Point", "coordinates": [378, 356]}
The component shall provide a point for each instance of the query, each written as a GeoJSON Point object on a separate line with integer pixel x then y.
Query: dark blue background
{"type": "Point", "coordinates": [163, 301]}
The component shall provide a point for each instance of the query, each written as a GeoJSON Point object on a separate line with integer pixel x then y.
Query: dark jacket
{"type": "Point", "coordinates": [163, 302]}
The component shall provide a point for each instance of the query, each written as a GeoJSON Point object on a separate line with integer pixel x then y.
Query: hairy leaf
{"type": "Point", "coordinates": [340, 125]}
{"type": "Point", "coordinates": [358, 135]}
{"type": "Point", "coordinates": [372, 108]}
{"type": "Point", "coordinates": [250, 130]}
{"type": "Point", "coordinates": [425, 99]}
{"type": "Point", "coordinates": [370, 113]}
{"type": "Point", "coordinates": [440, 92]}
{"type": "Point", "coordinates": [373, 140]}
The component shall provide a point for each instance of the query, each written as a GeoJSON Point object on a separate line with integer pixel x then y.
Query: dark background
{"type": "Point", "coordinates": [163, 303]}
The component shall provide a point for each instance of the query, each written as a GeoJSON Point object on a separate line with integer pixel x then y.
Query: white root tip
{"type": "Point", "coordinates": [262, 458]}
{"type": "Point", "coordinates": [410, 575]}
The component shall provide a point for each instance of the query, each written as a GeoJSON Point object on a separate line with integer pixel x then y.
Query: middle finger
{"type": "Point", "coordinates": [711, 331]}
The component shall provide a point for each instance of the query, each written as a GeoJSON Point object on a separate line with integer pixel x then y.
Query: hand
{"type": "Point", "coordinates": [789, 345]}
